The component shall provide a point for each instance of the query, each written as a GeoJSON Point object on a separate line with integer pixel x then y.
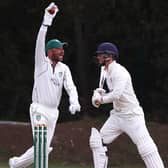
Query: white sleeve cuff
{"type": "Point", "coordinates": [43, 27]}
{"type": "Point", "coordinates": [106, 99]}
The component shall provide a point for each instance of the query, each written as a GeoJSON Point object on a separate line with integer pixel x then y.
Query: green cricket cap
{"type": "Point", "coordinates": [54, 43]}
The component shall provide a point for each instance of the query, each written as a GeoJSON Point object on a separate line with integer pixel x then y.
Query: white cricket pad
{"type": "Point", "coordinates": [153, 160]}
{"type": "Point", "coordinates": [99, 156]}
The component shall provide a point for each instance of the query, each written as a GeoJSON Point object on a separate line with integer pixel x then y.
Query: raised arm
{"type": "Point", "coordinates": [40, 53]}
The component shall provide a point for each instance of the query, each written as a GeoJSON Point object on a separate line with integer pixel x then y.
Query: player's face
{"type": "Point", "coordinates": [100, 58]}
{"type": "Point", "coordinates": [104, 59]}
{"type": "Point", "coordinates": [56, 54]}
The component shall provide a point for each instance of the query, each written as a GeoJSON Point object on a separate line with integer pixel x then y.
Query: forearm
{"type": "Point", "coordinates": [40, 53]}
{"type": "Point", "coordinates": [40, 46]}
{"type": "Point", "coordinates": [110, 97]}
{"type": "Point", "coordinates": [71, 91]}
{"type": "Point", "coordinates": [73, 95]}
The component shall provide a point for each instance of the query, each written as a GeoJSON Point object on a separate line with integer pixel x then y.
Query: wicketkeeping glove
{"type": "Point", "coordinates": [73, 108]}
{"type": "Point", "coordinates": [50, 13]}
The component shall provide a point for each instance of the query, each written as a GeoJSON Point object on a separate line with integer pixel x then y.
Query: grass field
{"type": "Point", "coordinates": [67, 165]}
{"type": "Point", "coordinates": [70, 152]}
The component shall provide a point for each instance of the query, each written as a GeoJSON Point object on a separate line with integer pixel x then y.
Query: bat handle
{"type": "Point", "coordinates": [97, 103]}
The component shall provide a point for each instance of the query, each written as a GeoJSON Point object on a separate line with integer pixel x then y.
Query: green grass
{"type": "Point", "coordinates": [69, 165]}
{"type": "Point", "coordinates": [51, 165]}
{"type": "Point", "coordinates": [65, 165]}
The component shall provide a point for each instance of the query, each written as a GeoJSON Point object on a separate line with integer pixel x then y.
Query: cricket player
{"type": "Point", "coordinates": [126, 116]}
{"type": "Point", "coordinates": [50, 76]}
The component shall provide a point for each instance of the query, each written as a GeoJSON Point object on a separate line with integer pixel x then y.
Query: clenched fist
{"type": "Point", "coordinates": [50, 13]}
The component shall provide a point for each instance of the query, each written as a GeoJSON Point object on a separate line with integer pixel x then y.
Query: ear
{"type": "Point", "coordinates": [49, 53]}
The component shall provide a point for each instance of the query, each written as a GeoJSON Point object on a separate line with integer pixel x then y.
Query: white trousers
{"type": "Point", "coordinates": [39, 114]}
{"type": "Point", "coordinates": [134, 126]}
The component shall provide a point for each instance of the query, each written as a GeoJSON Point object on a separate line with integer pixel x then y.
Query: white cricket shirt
{"type": "Point", "coordinates": [121, 92]}
{"type": "Point", "coordinates": [48, 84]}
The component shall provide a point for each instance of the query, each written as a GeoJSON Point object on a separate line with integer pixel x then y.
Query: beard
{"type": "Point", "coordinates": [56, 58]}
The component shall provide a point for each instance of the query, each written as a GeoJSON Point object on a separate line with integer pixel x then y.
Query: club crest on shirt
{"type": "Point", "coordinates": [60, 74]}
{"type": "Point", "coordinates": [57, 78]}
{"type": "Point", "coordinates": [38, 117]}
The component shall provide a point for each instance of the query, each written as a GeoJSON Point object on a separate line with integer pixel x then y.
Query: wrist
{"type": "Point", "coordinates": [47, 20]}
{"type": "Point", "coordinates": [45, 25]}
{"type": "Point", "coordinates": [101, 100]}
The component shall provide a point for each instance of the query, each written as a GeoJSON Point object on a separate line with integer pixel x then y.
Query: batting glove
{"type": "Point", "coordinates": [101, 91]}
{"type": "Point", "coordinates": [96, 99]}
{"type": "Point", "coordinates": [73, 108]}
{"type": "Point", "coordinates": [50, 13]}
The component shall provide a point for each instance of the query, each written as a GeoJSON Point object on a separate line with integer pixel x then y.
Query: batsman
{"type": "Point", "coordinates": [50, 76]}
{"type": "Point", "coordinates": [127, 115]}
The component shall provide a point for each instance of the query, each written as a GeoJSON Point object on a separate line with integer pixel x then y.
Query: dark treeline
{"type": "Point", "coordinates": [139, 28]}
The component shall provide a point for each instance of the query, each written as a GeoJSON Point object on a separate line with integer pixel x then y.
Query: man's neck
{"type": "Point", "coordinates": [54, 63]}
